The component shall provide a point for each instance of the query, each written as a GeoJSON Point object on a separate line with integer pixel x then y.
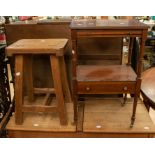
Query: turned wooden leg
{"type": "Point", "coordinates": [58, 89]}
{"type": "Point", "coordinates": [136, 96]}
{"type": "Point", "coordinates": [134, 110]}
{"type": "Point", "coordinates": [125, 98]}
{"type": "Point", "coordinates": [18, 89]}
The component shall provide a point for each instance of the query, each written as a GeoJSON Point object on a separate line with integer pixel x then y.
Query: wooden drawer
{"type": "Point", "coordinates": [110, 33]}
{"type": "Point", "coordinates": [105, 87]}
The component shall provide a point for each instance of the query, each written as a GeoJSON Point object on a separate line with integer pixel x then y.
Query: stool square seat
{"type": "Point", "coordinates": [37, 46]}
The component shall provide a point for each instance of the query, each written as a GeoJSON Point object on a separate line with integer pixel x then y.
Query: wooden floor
{"type": "Point", "coordinates": [97, 118]}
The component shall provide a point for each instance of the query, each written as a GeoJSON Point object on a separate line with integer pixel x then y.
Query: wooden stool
{"type": "Point", "coordinates": [23, 50]}
{"type": "Point", "coordinates": [148, 88]}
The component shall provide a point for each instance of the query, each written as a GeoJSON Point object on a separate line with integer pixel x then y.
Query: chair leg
{"type": "Point", "coordinates": [18, 89]}
{"type": "Point", "coordinates": [54, 60]}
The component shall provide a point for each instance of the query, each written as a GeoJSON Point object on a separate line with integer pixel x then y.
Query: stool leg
{"type": "Point", "coordinates": [18, 89]}
{"type": "Point", "coordinates": [29, 77]}
{"type": "Point", "coordinates": [58, 89]}
{"type": "Point", "coordinates": [65, 85]}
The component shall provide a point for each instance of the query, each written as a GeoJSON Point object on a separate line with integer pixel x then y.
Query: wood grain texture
{"type": "Point", "coordinates": [148, 83]}
{"type": "Point", "coordinates": [110, 116]}
{"type": "Point", "coordinates": [37, 46]}
{"type": "Point", "coordinates": [105, 73]}
{"type": "Point", "coordinates": [42, 30]}
{"type": "Point", "coordinates": [28, 71]}
{"type": "Point", "coordinates": [148, 87]}
{"type": "Point", "coordinates": [44, 90]}
{"type": "Point", "coordinates": [107, 24]}
{"type": "Point", "coordinates": [64, 78]}
{"type": "Point", "coordinates": [79, 125]}
{"type": "Point", "coordinates": [19, 66]}
{"type": "Point", "coordinates": [56, 74]}
{"type": "Point", "coordinates": [113, 118]}
{"type": "Point", "coordinates": [106, 87]}
{"type": "Point", "coordinates": [99, 49]}
{"type": "Point", "coordinates": [42, 134]}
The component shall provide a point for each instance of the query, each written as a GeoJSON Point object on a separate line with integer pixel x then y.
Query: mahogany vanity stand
{"type": "Point", "coordinates": [23, 51]}
{"type": "Point", "coordinates": [115, 79]}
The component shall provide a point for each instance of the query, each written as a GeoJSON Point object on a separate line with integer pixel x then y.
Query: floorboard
{"type": "Point", "coordinates": [103, 117]}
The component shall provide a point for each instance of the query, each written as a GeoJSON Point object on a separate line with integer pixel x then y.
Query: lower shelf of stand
{"type": "Point", "coordinates": [105, 73]}
{"type": "Point", "coordinates": [114, 79]}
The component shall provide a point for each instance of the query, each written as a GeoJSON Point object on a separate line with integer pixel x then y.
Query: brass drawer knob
{"type": "Point", "coordinates": [87, 88]}
{"type": "Point", "coordinates": [125, 88]}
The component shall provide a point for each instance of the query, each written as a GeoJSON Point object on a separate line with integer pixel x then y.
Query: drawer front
{"type": "Point", "coordinates": [106, 87]}
{"type": "Point", "coordinates": [112, 33]}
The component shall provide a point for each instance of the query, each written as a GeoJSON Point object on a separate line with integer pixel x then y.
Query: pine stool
{"type": "Point", "coordinates": [23, 50]}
